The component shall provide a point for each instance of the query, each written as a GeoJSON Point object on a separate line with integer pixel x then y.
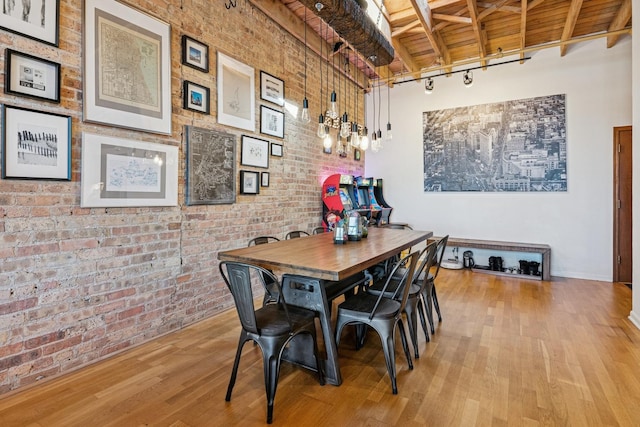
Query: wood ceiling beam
{"type": "Point", "coordinates": [435, 4]}
{"type": "Point", "coordinates": [402, 30]}
{"type": "Point", "coordinates": [405, 56]}
{"type": "Point", "coordinates": [619, 21]}
{"type": "Point", "coordinates": [477, 31]}
{"type": "Point", "coordinates": [452, 18]}
{"type": "Point", "coordinates": [501, 6]}
{"type": "Point", "coordinates": [424, 16]}
{"type": "Point", "coordinates": [570, 24]}
{"type": "Point", "coordinates": [523, 29]}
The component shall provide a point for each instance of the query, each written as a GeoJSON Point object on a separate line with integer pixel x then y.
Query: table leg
{"type": "Point", "coordinates": [311, 294]}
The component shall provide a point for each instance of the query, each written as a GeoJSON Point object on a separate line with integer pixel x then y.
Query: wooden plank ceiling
{"type": "Point", "coordinates": [435, 35]}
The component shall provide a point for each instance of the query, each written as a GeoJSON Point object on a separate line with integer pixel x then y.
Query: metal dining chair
{"type": "Point", "coordinates": [295, 234]}
{"type": "Point", "coordinates": [270, 294]}
{"type": "Point", "coordinates": [414, 305]}
{"type": "Point", "coordinates": [382, 314]}
{"type": "Point", "coordinates": [318, 230]}
{"type": "Point", "coordinates": [271, 327]}
{"type": "Point", "coordinates": [429, 294]}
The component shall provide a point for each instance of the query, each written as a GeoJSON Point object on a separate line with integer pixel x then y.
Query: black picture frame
{"type": "Point", "coordinates": [276, 149]}
{"type": "Point", "coordinates": [254, 152]}
{"type": "Point", "coordinates": [195, 54]}
{"type": "Point", "coordinates": [30, 76]}
{"type": "Point", "coordinates": [271, 122]}
{"type": "Point", "coordinates": [35, 26]}
{"type": "Point", "coordinates": [271, 88]}
{"type": "Point", "coordinates": [35, 144]}
{"type": "Point", "coordinates": [196, 97]}
{"type": "Point", "coordinates": [249, 182]}
{"type": "Point", "coordinates": [264, 179]}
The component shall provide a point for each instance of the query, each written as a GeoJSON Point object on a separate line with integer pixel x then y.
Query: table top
{"type": "Point", "coordinates": [317, 256]}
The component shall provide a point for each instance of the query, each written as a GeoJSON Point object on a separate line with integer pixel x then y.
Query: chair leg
{"type": "Point", "coordinates": [428, 302]}
{"type": "Point", "coordinates": [423, 320]}
{"type": "Point", "coordinates": [236, 363]}
{"type": "Point", "coordinates": [412, 323]}
{"type": "Point", "coordinates": [271, 371]}
{"type": "Point", "coordinates": [435, 302]}
{"type": "Point", "coordinates": [405, 347]}
{"type": "Point", "coordinates": [389, 349]}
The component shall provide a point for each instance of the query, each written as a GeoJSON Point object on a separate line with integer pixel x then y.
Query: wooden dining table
{"type": "Point", "coordinates": [314, 270]}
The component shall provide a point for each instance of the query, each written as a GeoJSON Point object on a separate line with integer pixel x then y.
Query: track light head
{"type": "Point", "coordinates": [428, 85]}
{"type": "Point", "coordinates": [467, 78]}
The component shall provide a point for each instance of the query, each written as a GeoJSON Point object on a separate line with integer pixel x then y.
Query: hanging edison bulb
{"type": "Point", "coordinates": [327, 142]}
{"type": "Point", "coordinates": [304, 116]}
{"type": "Point", "coordinates": [364, 139]}
{"type": "Point", "coordinates": [322, 128]}
{"type": "Point", "coordinates": [354, 138]}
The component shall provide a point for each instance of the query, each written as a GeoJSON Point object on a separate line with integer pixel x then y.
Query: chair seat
{"type": "Point", "coordinates": [272, 320]}
{"type": "Point", "coordinates": [377, 286]}
{"type": "Point", "coordinates": [364, 304]}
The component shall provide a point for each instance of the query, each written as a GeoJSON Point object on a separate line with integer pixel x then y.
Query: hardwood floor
{"type": "Point", "coordinates": [508, 352]}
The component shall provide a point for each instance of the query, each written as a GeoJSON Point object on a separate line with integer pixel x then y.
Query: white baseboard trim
{"type": "Point", "coordinates": [635, 319]}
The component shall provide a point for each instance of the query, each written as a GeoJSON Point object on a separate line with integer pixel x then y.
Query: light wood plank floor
{"type": "Point", "coordinates": [508, 352]}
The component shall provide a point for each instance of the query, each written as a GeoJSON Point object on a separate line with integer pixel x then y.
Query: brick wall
{"type": "Point", "coordinates": [78, 284]}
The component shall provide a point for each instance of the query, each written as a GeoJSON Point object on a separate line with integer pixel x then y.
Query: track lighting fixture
{"type": "Point", "coordinates": [428, 85]}
{"type": "Point", "coordinates": [467, 78]}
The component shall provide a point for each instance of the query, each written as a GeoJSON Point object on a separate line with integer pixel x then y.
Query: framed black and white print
{"type": "Point", "coordinates": [195, 54]}
{"type": "Point", "coordinates": [264, 179]}
{"type": "Point", "coordinates": [35, 145]}
{"type": "Point", "coordinates": [36, 19]}
{"type": "Point", "coordinates": [30, 76]}
{"type": "Point", "coordinates": [271, 122]}
{"type": "Point", "coordinates": [276, 149]}
{"type": "Point", "coordinates": [236, 93]}
{"type": "Point", "coordinates": [211, 167]}
{"type": "Point", "coordinates": [271, 89]}
{"type": "Point", "coordinates": [195, 97]}
{"type": "Point", "coordinates": [123, 172]}
{"type": "Point", "coordinates": [127, 67]}
{"type": "Point", "coordinates": [249, 183]}
{"type": "Point", "coordinates": [254, 152]}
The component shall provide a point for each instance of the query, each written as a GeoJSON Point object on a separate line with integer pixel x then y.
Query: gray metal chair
{"type": "Point", "coordinates": [318, 230]}
{"type": "Point", "coordinates": [272, 326]}
{"type": "Point", "coordinates": [414, 305]}
{"type": "Point", "coordinates": [429, 294]}
{"type": "Point", "coordinates": [382, 314]}
{"type": "Point", "coordinates": [270, 293]}
{"type": "Point", "coordinates": [295, 234]}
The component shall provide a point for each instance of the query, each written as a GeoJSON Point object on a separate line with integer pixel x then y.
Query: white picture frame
{"type": "Point", "coordinates": [38, 22]}
{"type": "Point", "coordinates": [118, 172]}
{"type": "Point", "coordinates": [134, 94]}
{"type": "Point", "coordinates": [236, 93]}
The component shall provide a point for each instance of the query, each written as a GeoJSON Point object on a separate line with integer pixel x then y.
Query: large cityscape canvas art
{"type": "Point", "coordinates": [518, 145]}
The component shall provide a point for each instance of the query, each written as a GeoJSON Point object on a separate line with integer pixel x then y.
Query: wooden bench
{"type": "Point", "coordinates": [544, 250]}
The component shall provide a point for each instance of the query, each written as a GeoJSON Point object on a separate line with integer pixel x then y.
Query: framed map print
{"type": "Point", "coordinates": [123, 172]}
{"type": "Point", "coordinates": [127, 68]}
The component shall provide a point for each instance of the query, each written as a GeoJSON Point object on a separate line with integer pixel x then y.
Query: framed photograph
{"type": "Point", "coordinates": [356, 154]}
{"type": "Point", "coordinates": [37, 20]}
{"type": "Point", "coordinates": [236, 93]}
{"type": "Point", "coordinates": [264, 179]}
{"type": "Point", "coordinates": [35, 145]}
{"type": "Point", "coordinates": [271, 122]}
{"type": "Point", "coordinates": [211, 167]}
{"type": "Point", "coordinates": [276, 149]}
{"type": "Point", "coordinates": [122, 172]}
{"type": "Point", "coordinates": [127, 67]}
{"type": "Point", "coordinates": [249, 182]}
{"type": "Point", "coordinates": [195, 54]}
{"type": "Point", "coordinates": [30, 76]}
{"type": "Point", "coordinates": [255, 152]}
{"type": "Point", "coordinates": [271, 89]}
{"type": "Point", "coordinates": [195, 97]}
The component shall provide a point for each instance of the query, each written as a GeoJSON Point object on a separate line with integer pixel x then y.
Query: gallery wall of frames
{"type": "Point", "coordinates": [138, 140]}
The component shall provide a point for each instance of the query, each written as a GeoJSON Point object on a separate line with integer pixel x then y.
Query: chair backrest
{"type": "Point", "coordinates": [295, 234]}
{"type": "Point", "coordinates": [442, 244]}
{"type": "Point", "coordinates": [261, 240]}
{"type": "Point", "coordinates": [318, 230]}
{"type": "Point", "coordinates": [408, 266]}
{"type": "Point", "coordinates": [429, 256]}
{"type": "Point", "coordinates": [240, 279]}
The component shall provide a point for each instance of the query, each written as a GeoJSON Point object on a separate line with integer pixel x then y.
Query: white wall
{"type": "Point", "coordinates": [577, 224]}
